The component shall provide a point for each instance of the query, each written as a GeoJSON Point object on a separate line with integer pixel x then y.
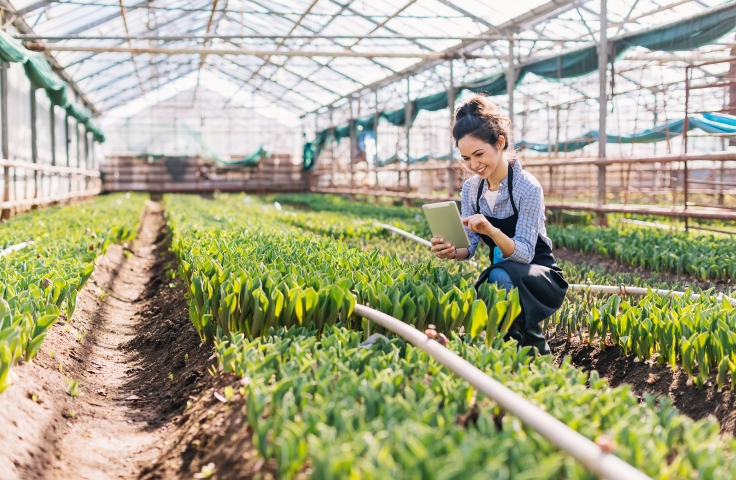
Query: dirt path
{"type": "Point", "coordinates": [124, 362]}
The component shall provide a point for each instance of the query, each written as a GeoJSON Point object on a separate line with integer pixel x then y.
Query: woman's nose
{"type": "Point", "coordinates": [473, 164]}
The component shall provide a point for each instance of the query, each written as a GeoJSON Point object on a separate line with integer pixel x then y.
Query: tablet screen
{"type": "Point", "coordinates": [444, 221]}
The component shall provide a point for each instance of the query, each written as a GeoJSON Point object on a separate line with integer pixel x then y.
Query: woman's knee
{"type": "Point", "coordinates": [500, 277]}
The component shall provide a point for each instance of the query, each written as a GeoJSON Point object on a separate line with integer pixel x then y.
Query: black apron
{"type": "Point", "coordinates": [541, 285]}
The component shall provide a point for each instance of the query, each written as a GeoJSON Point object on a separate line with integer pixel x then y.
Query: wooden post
{"type": "Point", "coordinates": [601, 218]}
{"type": "Point", "coordinates": [5, 214]}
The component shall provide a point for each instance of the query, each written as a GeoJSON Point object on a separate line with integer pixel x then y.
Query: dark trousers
{"type": "Point", "coordinates": [526, 337]}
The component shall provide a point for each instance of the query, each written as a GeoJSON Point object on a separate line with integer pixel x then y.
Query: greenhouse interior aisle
{"type": "Point", "coordinates": [114, 427]}
{"type": "Point", "coordinates": [215, 261]}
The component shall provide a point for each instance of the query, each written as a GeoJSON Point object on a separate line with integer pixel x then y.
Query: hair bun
{"type": "Point", "coordinates": [481, 118]}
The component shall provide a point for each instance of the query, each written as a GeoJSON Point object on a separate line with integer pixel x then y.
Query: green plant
{"type": "Point", "coordinates": [40, 283]}
{"type": "Point", "coordinates": [72, 387]}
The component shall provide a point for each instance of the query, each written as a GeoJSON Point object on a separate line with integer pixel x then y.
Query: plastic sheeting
{"type": "Point", "coordinates": [250, 161]}
{"type": "Point", "coordinates": [707, 122]}
{"type": "Point", "coordinates": [39, 72]}
{"type": "Point", "coordinates": [687, 34]}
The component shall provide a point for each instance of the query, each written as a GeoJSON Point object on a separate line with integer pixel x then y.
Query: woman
{"type": "Point", "coordinates": [503, 205]}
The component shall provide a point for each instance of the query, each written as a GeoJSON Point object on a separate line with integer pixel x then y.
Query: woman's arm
{"type": "Point", "coordinates": [480, 224]}
{"type": "Point", "coordinates": [531, 212]}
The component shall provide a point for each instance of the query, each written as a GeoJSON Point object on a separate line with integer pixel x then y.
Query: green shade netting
{"type": "Point", "coordinates": [10, 50]}
{"type": "Point", "coordinates": [398, 117]}
{"type": "Point", "coordinates": [250, 161]}
{"type": "Point", "coordinates": [97, 133]}
{"type": "Point", "coordinates": [308, 156]}
{"type": "Point", "coordinates": [341, 132]}
{"type": "Point", "coordinates": [707, 122]}
{"type": "Point", "coordinates": [41, 75]}
{"type": "Point", "coordinates": [365, 123]}
{"type": "Point", "coordinates": [494, 84]}
{"type": "Point", "coordinates": [431, 103]}
{"type": "Point", "coordinates": [78, 112]}
{"type": "Point", "coordinates": [686, 34]}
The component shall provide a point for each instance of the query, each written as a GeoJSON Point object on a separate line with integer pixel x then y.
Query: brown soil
{"type": "Point", "coordinates": [127, 421]}
{"type": "Point", "coordinates": [648, 377]}
{"type": "Point", "coordinates": [612, 266]}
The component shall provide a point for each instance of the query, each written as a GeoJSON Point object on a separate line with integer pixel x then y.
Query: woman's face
{"type": "Point", "coordinates": [480, 157]}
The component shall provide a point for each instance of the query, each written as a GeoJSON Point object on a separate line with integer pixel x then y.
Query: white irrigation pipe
{"type": "Point", "coordinates": [14, 248]}
{"type": "Point", "coordinates": [626, 290]}
{"type": "Point", "coordinates": [411, 236]}
{"type": "Point", "coordinates": [585, 451]}
{"type": "Point", "coordinates": [575, 287]}
{"type": "Point", "coordinates": [406, 234]}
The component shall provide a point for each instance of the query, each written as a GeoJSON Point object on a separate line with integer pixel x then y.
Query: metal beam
{"type": "Point", "coordinates": [532, 16]}
{"type": "Point", "coordinates": [104, 20]}
{"type": "Point", "coordinates": [259, 52]}
{"type": "Point", "coordinates": [32, 7]}
{"type": "Point", "coordinates": [173, 38]}
{"type": "Point", "coordinates": [291, 30]}
{"type": "Point", "coordinates": [158, 86]}
{"type": "Point", "coordinates": [260, 76]}
{"type": "Point", "coordinates": [5, 213]}
{"type": "Point", "coordinates": [130, 74]}
{"type": "Point", "coordinates": [158, 26]}
{"type": "Point", "coordinates": [149, 80]}
{"type": "Point", "coordinates": [244, 83]}
{"type": "Point", "coordinates": [603, 107]}
{"type": "Point", "coordinates": [23, 27]}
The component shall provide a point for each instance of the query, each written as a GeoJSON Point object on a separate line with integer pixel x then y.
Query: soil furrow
{"type": "Point", "coordinates": [118, 425]}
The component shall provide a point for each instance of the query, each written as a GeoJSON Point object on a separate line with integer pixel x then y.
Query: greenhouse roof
{"type": "Point", "coordinates": [300, 56]}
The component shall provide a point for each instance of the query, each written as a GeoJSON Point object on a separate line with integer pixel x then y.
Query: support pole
{"type": "Point", "coordinates": [685, 128]}
{"type": "Point", "coordinates": [66, 148]}
{"type": "Point", "coordinates": [5, 214]}
{"type": "Point", "coordinates": [407, 126]}
{"type": "Point", "coordinates": [353, 142]}
{"type": "Point", "coordinates": [510, 83]}
{"type": "Point", "coordinates": [451, 107]}
{"type": "Point", "coordinates": [376, 114]}
{"type": "Point", "coordinates": [52, 119]}
{"type": "Point", "coordinates": [601, 218]}
{"type": "Point", "coordinates": [34, 141]}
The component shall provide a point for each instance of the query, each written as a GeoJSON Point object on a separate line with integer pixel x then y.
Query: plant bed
{"type": "Point", "coordinates": [648, 377]}
{"type": "Point", "coordinates": [644, 275]}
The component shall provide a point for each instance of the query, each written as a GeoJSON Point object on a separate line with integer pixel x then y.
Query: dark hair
{"type": "Point", "coordinates": [481, 118]}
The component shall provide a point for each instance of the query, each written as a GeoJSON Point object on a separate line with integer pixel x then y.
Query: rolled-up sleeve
{"type": "Point", "coordinates": [530, 202]}
{"type": "Point", "coordinates": [468, 209]}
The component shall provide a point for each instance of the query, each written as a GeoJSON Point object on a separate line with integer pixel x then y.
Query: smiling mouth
{"type": "Point", "coordinates": [481, 170]}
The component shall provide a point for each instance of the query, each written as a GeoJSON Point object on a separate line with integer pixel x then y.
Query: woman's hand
{"type": "Point", "coordinates": [479, 224]}
{"type": "Point", "coordinates": [442, 249]}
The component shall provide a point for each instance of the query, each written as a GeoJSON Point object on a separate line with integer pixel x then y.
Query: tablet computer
{"type": "Point", "coordinates": [444, 221]}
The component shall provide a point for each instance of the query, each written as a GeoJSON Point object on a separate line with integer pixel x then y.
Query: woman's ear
{"type": "Point", "coordinates": [501, 145]}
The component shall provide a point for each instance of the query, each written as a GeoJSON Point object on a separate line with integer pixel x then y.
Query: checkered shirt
{"type": "Point", "coordinates": [529, 200]}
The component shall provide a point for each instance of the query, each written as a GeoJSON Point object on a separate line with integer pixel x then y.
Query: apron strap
{"type": "Point", "coordinates": [480, 194]}
{"type": "Point", "coordinates": [511, 192]}
{"type": "Point", "coordinates": [511, 189]}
